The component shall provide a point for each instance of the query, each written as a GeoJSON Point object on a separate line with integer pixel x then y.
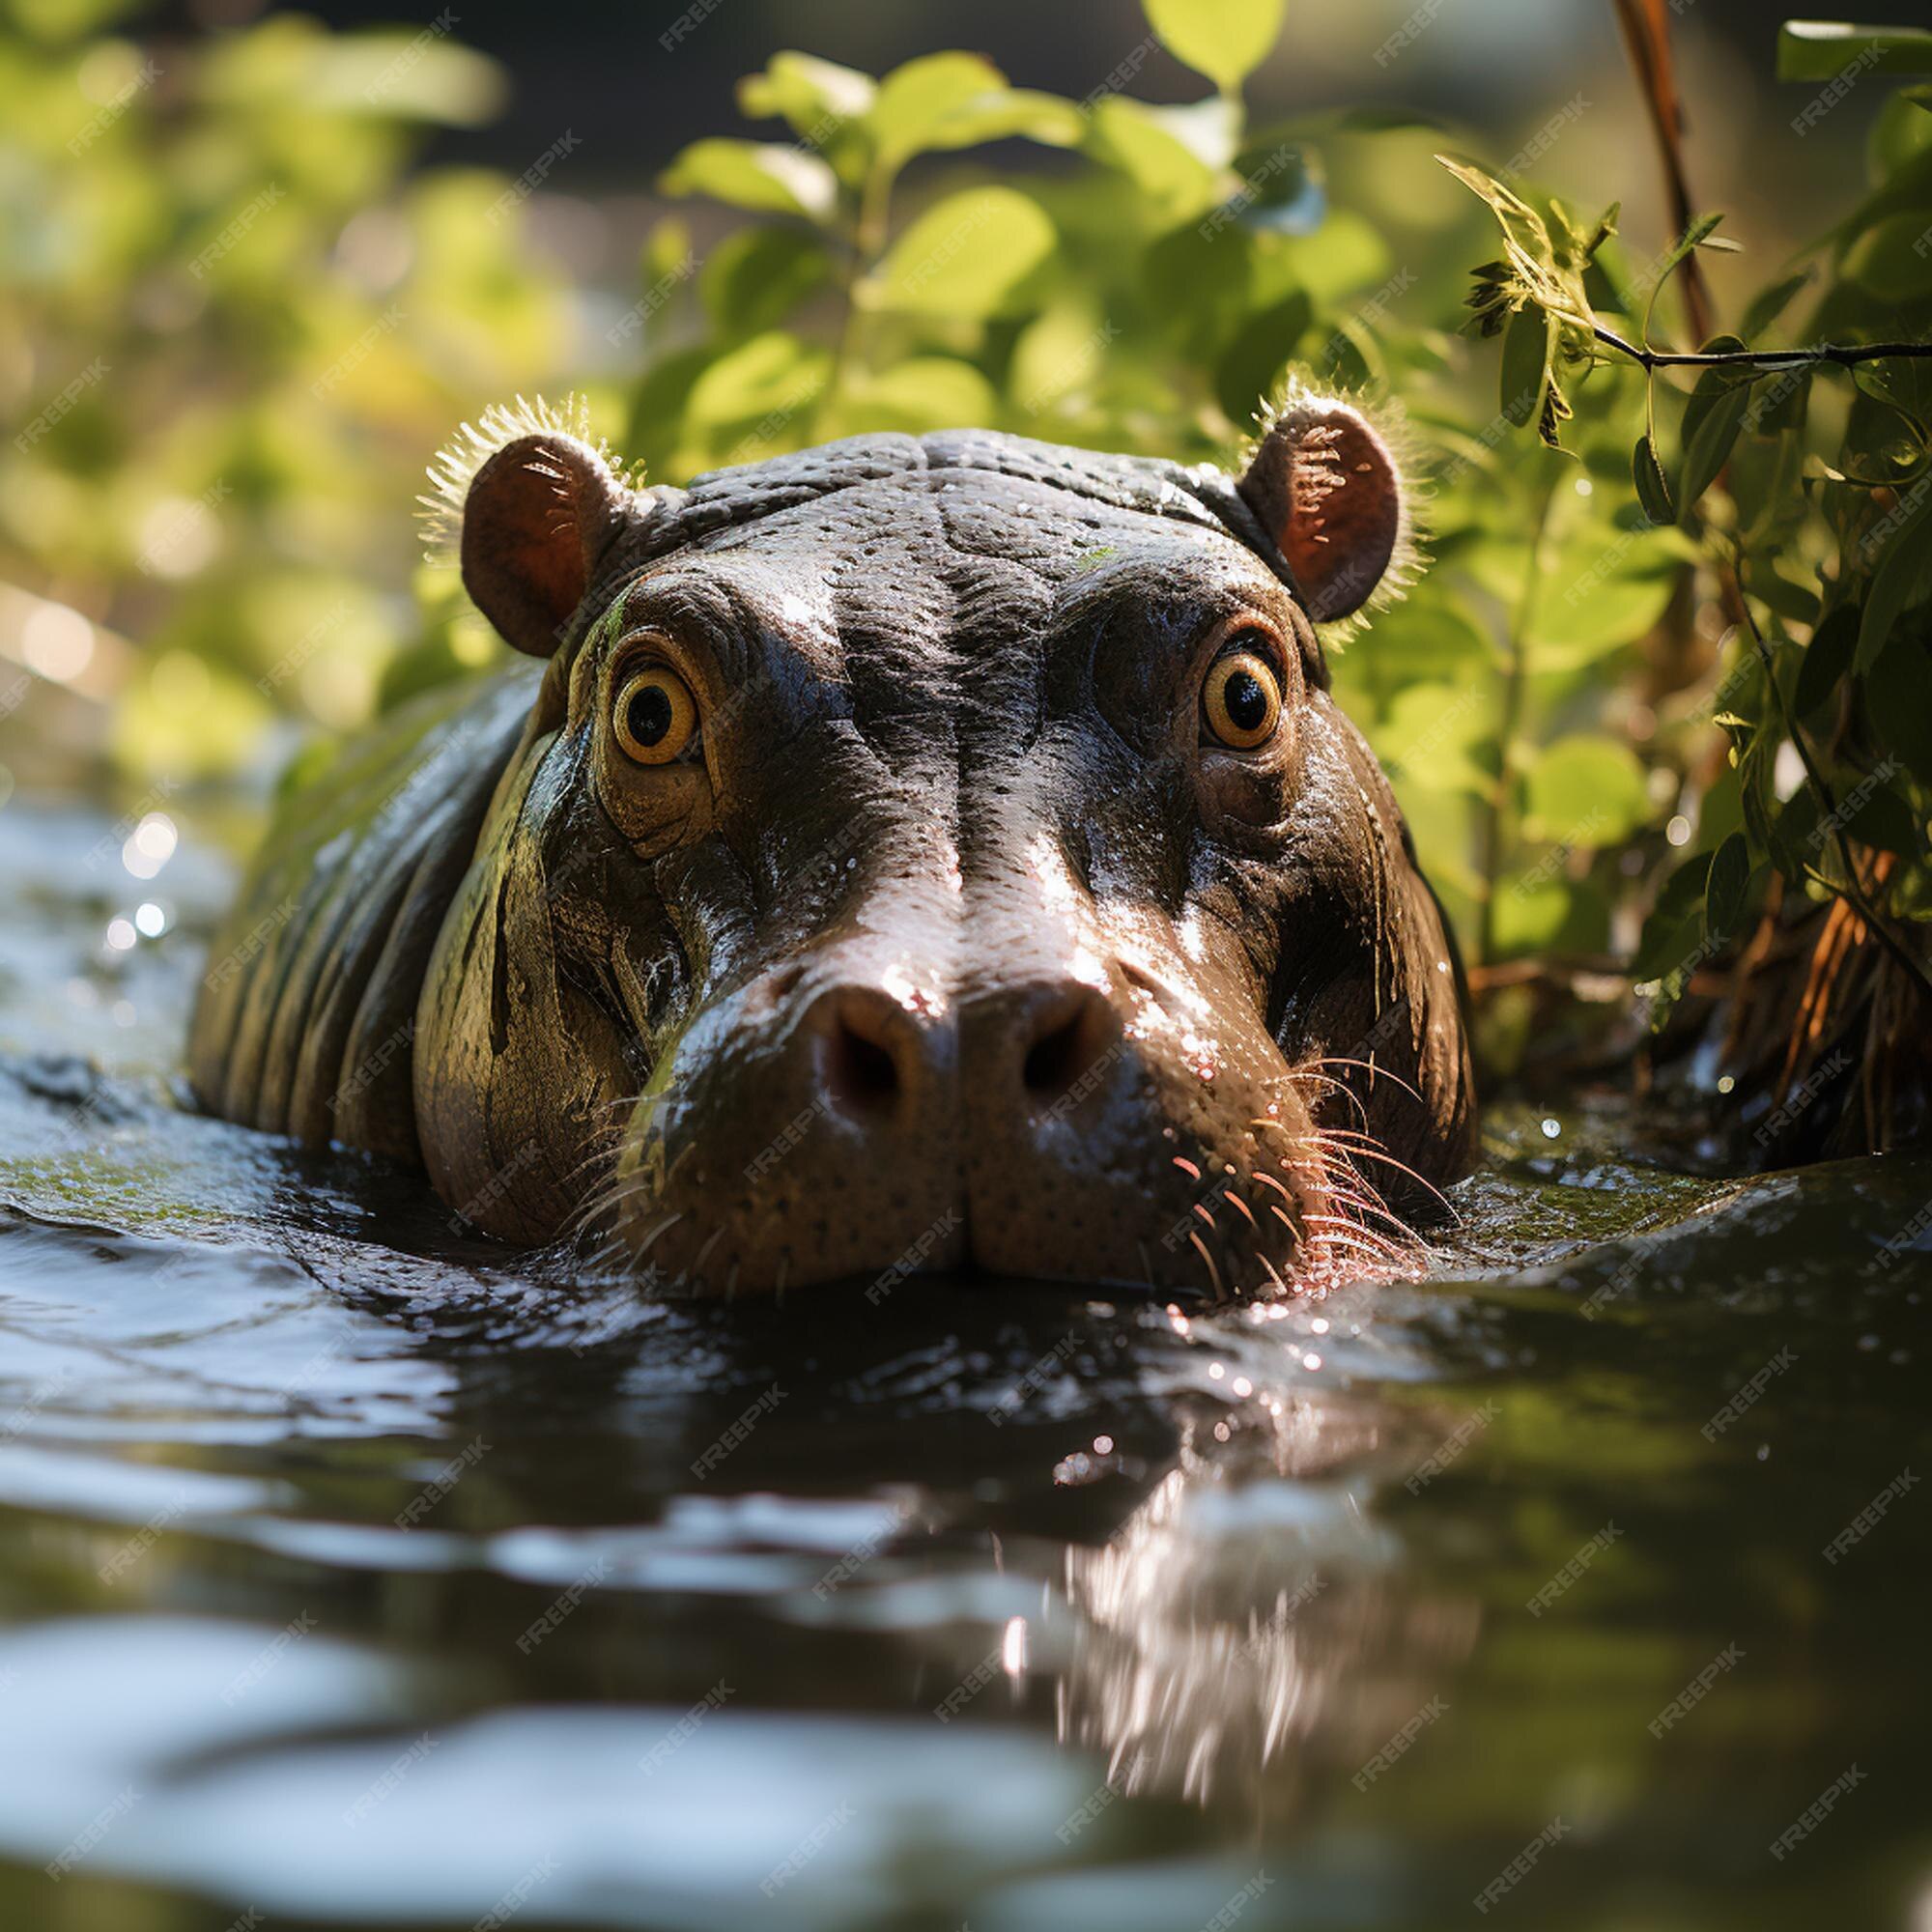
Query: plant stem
{"type": "Point", "coordinates": [1515, 677]}
{"type": "Point", "coordinates": [1646, 32]}
{"type": "Point", "coordinates": [1853, 890]}
{"type": "Point", "coordinates": [868, 240]}
{"type": "Point", "coordinates": [1844, 355]}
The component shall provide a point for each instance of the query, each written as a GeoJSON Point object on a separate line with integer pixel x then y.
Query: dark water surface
{"type": "Point", "coordinates": [349, 1576]}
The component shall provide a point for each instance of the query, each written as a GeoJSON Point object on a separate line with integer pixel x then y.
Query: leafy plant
{"type": "Point", "coordinates": [1805, 516]}
{"type": "Point", "coordinates": [1656, 711]}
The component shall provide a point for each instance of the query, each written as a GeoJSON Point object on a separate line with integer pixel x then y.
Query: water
{"type": "Point", "coordinates": [349, 1576]}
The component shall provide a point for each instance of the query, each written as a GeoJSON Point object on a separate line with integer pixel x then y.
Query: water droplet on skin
{"type": "Point", "coordinates": [1551, 1128]}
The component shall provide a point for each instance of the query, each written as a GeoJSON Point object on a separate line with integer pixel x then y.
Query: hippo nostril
{"type": "Point", "coordinates": [863, 1047]}
{"type": "Point", "coordinates": [1070, 1038]}
{"type": "Point", "coordinates": [859, 1073]}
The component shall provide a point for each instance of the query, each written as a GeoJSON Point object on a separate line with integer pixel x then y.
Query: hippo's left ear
{"type": "Point", "coordinates": [533, 506]}
{"type": "Point", "coordinates": [1326, 490]}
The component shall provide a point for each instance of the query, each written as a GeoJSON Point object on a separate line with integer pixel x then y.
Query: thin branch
{"type": "Point", "coordinates": [1646, 32]}
{"type": "Point", "coordinates": [1843, 354]}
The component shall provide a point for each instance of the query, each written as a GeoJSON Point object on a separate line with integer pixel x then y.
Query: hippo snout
{"type": "Point", "coordinates": [848, 1118]}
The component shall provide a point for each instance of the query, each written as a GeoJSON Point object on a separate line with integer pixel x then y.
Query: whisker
{"type": "Point", "coordinates": [1376, 1071]}
{"type": "Point", "coordinates": [1214, 1273]}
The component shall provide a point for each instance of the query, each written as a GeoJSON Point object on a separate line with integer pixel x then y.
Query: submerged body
{"type": "Point", "coordinates": [915, 852]}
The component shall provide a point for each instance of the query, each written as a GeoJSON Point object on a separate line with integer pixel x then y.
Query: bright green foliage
{"type": "Point", "coordinates": [234, 328]}
{"type": "Point", "coordinates": [1800, 481]}
{"type": "Point", "coordinates": [1544, 697]}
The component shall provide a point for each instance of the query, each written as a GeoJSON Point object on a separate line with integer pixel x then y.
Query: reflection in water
{"type": "Point", "coordinates": [1236, 1620]}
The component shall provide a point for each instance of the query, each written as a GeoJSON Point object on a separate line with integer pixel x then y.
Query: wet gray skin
{"type": "Point", "coordinates": [910, 854]}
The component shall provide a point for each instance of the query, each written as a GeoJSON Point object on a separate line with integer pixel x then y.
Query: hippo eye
{"type": "Point", "coordinates": [655, 715]}
{"type": "Point", "coordinates": [1242, 704]}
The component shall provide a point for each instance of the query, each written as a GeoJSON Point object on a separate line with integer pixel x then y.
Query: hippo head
{"type": "Point", "coordinates": [940, 852]}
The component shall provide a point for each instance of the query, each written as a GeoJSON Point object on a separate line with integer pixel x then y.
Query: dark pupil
{"type": "Point", "coordinates": [1246, 701]}
{"type": "Point", "coordinates": [648, 715]}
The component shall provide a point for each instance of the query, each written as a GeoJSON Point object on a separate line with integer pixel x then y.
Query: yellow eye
{"type": "Point", "coordinates": [655, 715]}
{"type": "Point", "coordinates": [1242, 704]}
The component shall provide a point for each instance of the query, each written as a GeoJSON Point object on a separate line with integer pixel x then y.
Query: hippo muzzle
{"type": "Point", "coordinates": [914, 854]}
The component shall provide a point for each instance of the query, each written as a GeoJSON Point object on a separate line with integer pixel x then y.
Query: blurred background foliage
{"type": "Point", "coordinates": [257, 267]}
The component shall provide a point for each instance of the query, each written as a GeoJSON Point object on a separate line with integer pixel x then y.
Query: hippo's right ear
{"type": "Point", "coordinates": [533, 506]}
{"type": "Point", "coordinates": [1327, 489]}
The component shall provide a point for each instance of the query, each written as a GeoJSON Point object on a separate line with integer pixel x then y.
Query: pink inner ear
{"type": "Point", "coordinates": [1325, 489]}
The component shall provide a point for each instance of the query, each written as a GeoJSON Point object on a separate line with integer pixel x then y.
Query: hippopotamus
{"type": "Point", "coordinates": [909, 854]}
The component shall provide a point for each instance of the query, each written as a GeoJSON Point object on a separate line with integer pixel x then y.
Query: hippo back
{"type": "Point", "coordinates": [306, 1014]}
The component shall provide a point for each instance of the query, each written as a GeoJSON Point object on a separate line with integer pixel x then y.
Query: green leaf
{"type": "Point", "coordinates": [770, 177]}
{"type": "Point", "coordinates": [1709, 448]}
{"type": "Point", "coordinates": [1226, 40]}
{"type": "Point", "coordinates": [754, 278]}
{"type": "Point", "coordinates": [1758, 795]}
{"type": "Point", "coordinates": [398, 76]}
{"type": "Point", "coordinates": [1893, 259]}
{"type": "Point", "coordinates": [774, 376]}
{"type": "Point", "coordinates": [1251, 365]}
{"type": "Point", "coordinates": [915, 101]}
{"type": "Point", "coordinates": [1904, 573]}
{"type": "Point", "coordinates": [1795, 603]}
{"type": "Point", "coordinates": [1586, 790]}
{"type": "Point", "coordinates": [924, 392]}
{"type": "Point", "coordinates": [1008, 113]}
{"type": "Point", "coordinates": [1883, 819]}
{"type": "Point", "coordinates": [1904, 382]}
{"type": "Point", "coordinates": [1530, 910]}
{"type": "Point", "coordinates": [1130, 136]}
{"type": "Point", "coordinates": [1826, 660]}
{"type": "Point", "coordinates": [1426, 636]}
{"type": "Point", "coordinates": [1600, 588]}
{"type": "Point", "coordinates": [1555, 283]}
{"type": "Point", "coordinates": [1527, 345]}
{"type": "Point", "coordinates": [1653, 487]}
{"type": "Point", "coordinates": [1895, 693]}
{"type": "Point", "coordinates": [957, 101]}
{"type": "Point", "coordinates": [1726, 889]}
{"type": "Point", "coordinates": [1680, 252]}
{"type": "Point", "coordinates": [1823, 49]}
{"type": "Point", "coordinates": [1684, 891]}
{"type": "Point", "coordinates": [813, 95]}
{"type": "Point", "coordinates": [968, 255]}
{"type": "Point", "coordinates": [1430, 735]}
{"type": "Point", "coordinates": [1771, 303]}
{"type": "Point", "coordinates": [1672, 930]}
